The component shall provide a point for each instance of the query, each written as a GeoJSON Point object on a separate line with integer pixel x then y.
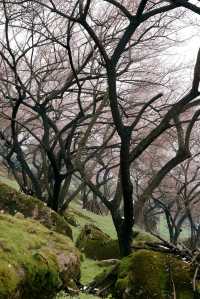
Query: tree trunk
{"type": "Point", "coordinates": [84, 196]}
{"type": "Point", "coordinates": [64, 190]}
{"type": "Point", "coordinates": [70, 198]}
{"type": "Point", "coordinates": [123, 238]}
{"type": "Point", "coordinates": [125, 232]}
{"type": "Point", "coordinates": [53, 201]}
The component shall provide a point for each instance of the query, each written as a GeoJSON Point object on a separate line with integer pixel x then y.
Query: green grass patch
{"type": "Point", "coordinates": [83, 217]}
{"type": "Point", "coordinates": [63, 295]}
{"type": "Point", "coordinates": [89, 269]}
{"type": "Point", "coordinates": [9, 182]}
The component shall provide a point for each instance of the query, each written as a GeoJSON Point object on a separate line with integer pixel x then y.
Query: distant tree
{"type": "Point", "coordinates": [177, 198]}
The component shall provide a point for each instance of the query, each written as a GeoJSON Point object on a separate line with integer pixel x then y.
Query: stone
{"type": "Point", "coordinates": [34, 261]}
{"type": "Point", "coordinates": [95, 244]}
{"type": "Point", "coordinates": [150, 274]}
{"type": "Point", "coordinates": [17, 203]}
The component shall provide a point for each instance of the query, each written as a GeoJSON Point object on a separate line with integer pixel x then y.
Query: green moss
{"type": "Point", "coordinates": [90, 269]}
{"type": "Point", "coordinates": [12, 201]}
{"type": "Point", "coordinates": [29, 259]}
{"type": "Point", "coordinates": [147, 274]}
{"type": "Point", "coordinates": [96, 244]}
{"type": "Point", "coordinates": [8, 278]}
{"type": "Point", "coordinates": [140, 238]}
{"type": "Point", "coordinates": [4, 178]}
{"type": "Point", "coordinates": [63, 295]}
{"type": "Point", "coordinates": [79, 214]}
{"type": "Point", "coordinates": [83, 217]}
{"type": "Point", "coordinates": [71, 219]}
{"type": "Point", "coordinates": [60, 224]}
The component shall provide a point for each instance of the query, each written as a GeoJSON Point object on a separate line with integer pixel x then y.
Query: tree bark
{"type": "Point", "coordinates": [125, 232]}
{"type": "Point", "coordinates": [53, 201]}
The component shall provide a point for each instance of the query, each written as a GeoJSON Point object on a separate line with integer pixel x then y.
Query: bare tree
{"type": "Point", "coordinates": [114, 47]}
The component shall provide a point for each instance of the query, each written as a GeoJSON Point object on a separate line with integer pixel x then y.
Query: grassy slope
{"type": "Point", "coordinates": [89, 268]}
{"type": "Point", "coordinates": [4, 179]}
{"type": "Point", "coordinates": [103, 222]}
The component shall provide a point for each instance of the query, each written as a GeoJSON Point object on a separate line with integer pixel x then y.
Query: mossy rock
{"type": "Point", "coordinates": [142, 238]}
{"type": "Point", "coordinates": [12, 202]}
{"type": "Point", "coordinates": [78, 215]}
{"type": "Point", "coordinates": [71, 219]}
{"type": "Point", "coordinates": [97, 245]}
{"type": "Point", "coordinates": [148, 274]}
{"type": "Point", "coordinates": [34, 261]}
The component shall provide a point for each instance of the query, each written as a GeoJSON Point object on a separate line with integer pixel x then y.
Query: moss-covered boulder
{"type": "Point", "coordinates": [71, 219]}
{"type": "Point", "coordinates": [95, 244]}
{"type": "Point", "coordinates": [141, 239]}
{"type": "Point", "coordinates": [12, 202]}
{"type": "Point", "coordinates": [148, 274]}
{"type": "Point", "coordinates": [34, 261]}
{"type": "Point", "coordinates": [79, 216]}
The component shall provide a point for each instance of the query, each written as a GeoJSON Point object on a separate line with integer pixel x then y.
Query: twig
{"type": "Point", "coordinates": [194, 278]}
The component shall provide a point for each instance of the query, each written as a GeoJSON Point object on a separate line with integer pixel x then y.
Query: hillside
{"type": "Point", "coordinates": [89, 267]}
{"type": "Point", "coordinates": [78, 219]}
{"type": "Point", "coordinates": [5, 179]}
